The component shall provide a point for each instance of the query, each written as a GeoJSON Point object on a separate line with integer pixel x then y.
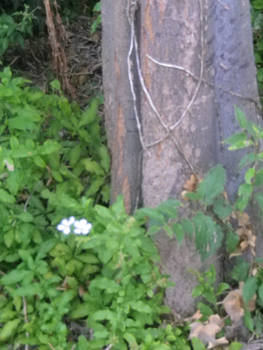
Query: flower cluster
{"type": "Point", "coordinates": [79, 227]}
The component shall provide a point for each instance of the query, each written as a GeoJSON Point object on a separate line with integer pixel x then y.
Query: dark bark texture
{"type": "Point", "coordinates": [188, 115]}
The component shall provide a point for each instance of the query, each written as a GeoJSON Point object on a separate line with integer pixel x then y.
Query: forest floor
{"type": "Point", "coordinates": [83, 55]}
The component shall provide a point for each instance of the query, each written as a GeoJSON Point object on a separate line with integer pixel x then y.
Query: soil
{"type": "Point", "coordinates": [83, 54]}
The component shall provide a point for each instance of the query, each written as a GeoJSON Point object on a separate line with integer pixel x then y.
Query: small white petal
{"type": "Point", "coordinates": [83, 222]}
{"type": "Point", "coordinates": [65, 222]}
{"type": "Point", "coordinates": [60, 227]}
{"type": "Point", "coordinates": [86, 229]}
{"type": "Point", "coordinates": [77, 231]}
{"type": "Point", "coordinates": [71, 220]}
{"type": "Point", "coordinates": [66, 230]}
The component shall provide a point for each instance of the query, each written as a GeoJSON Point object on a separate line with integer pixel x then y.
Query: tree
{"type": "Point", "coordinates": [173, 73]}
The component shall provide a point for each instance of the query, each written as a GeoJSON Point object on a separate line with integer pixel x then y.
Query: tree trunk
{"type": "Point", "coordinates": [194, 63]}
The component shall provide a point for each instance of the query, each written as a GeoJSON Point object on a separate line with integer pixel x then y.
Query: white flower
{"type": "Point", "coordinates": [65, 225]}
{"type": "Point", "coordinates": [82, 227]}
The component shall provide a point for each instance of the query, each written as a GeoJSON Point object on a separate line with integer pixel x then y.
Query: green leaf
{"type": "Point", "coordinates": [260, 293]}
{"type": "Point", "coordinates": [104, 158]}
{"type": "Point", "coordinates": [208, 235]}
{"type": "Point", "coordinates": [250, 173]}
{"type": "Point", "coordinates": [14, 277]}
{"type": "Point", "coordinates": [258, 178]}
{"type": "Point", "coordinates": [221, 208]}
{"type": "Point", "coordinates": [74, 155]}
{"type": "Point", "coordinates": [244, 192]}
{"type": "Point", "coordinates": [259, 199]}
{"type": "Point", "coordinates": [197, 291]}
{"type": "Point", "coordinates": [212, 185]}
{"type": "Point", "coordinates": [88, 258]}
{"type": "Point", "coordinates": [49, 147]}
{"type": "Point", "coordinates": [205, 310]}
{"type": "Point", "coordinates": [232, 240]}
{"type": "Point", "coordinates": [235, 346]}
{"type": "Point", "coordinates": [249, 289]}
{"type": "Point", "coordinates": [90, 113]}
{"type": "Point", "coordinates": [25, 217]}
{"type": "Point", "coordinates": [247, 159]}
{"type": "Point", "coordinates": [6, 197]}
{"type": "Point", "coordinates": [92, 167]}
{"type": "Point", "coordinates": [83, 343]}
{"type": "Point", "coordinates": [29, 290]}
{"type": "Point", "coordinates": [80, 311]}
{"type": "Point", "coordinates": [240, 270]}
{"type": "Point", "coordinates": [221, 288]}
{"type": "Point", "coordinates": [140, 306]}
{"type": "Point", "coordinates": [241, 118]}
{"type": "Point", "coordinates": [238, 141]}
{"type": "Point", "coordinates": [9, 330]}
{"type": "Point", "coordinates": [197, 344]}
{"type": "Point", "coordinates": [249, 323]}
{"type": "Point", "coordinates": [179, 232]}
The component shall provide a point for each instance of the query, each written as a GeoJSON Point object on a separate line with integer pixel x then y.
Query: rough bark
{"type": "Point", "coordinates": [213, 40]}
{"type": "Point", "coordinates": [173, 34]}
{"type": "Point", "coordinates": [121, 127]}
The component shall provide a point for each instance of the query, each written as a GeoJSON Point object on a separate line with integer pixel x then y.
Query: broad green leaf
{"type": "Point", "coordinates": [169, 208]}
{"type": "Point", "coordinates": [221, 208]}
{"type": "Point", "coordinates": [104, 158]}
{"type": "Point", "coordinates": [88, 258]}
{"type": "Point", "coordinates": [90, 113]}
{"type": "Point", "coordinates": [25, 217]}
{"type": "Point", "coordinates": [212, 185]}
{"type": "Point", "coordinates": [49, 147]}
{"type": "Point", "coordinates": [250, 173]}
{"type": "Point", "coordinates": [249, 289]}
{"type": "Point", "coordinates": [39, 162]}
{"type": "Point", "coordinates": [241, 118]}
{"type": "Point", "coordinates": [14, 143]}
{"type": "Point", "coordinates": [141, 307]}
{"type": "Point", "coordinates": [247, 159]}
{"type": "Point", "coordinates": [80, 311]}
{"type": "Point", "coordinates": [29, 290]}
{"type": "Point", "coordinates": [259, 199]}
{"type": "Point", "coordinates": [260, 293]}
{"type": "Point", "coordinates": [221, 288]}
{"type": "Point", "coordinates": [92, 167]}
{"type": "Point", "coordinates": [258, 178]}
{"type": "Point", "coordinates": [235, 346]}
{"type": "Point", "coordinates": [244, 193]}
{"type": "Point", "coordinates": [249, 323]}
{"type": "Point", "coordinates": [232, 240]}
{"type": "Point", "coordinates": [197, 344]}
{"type": "Point", "coordinates": [6, 197]}
{"type": "Point", "coordinates": [205, 310]}
{"type": "Point", "coordinates": [179, 232]}
{"type": "Point", "coordinates": [238, 141]}
{"type": "Point", "coordinates": [103, 315]}
{"type": "Point", "coordinates": [9, 329]}
{"type": "Point", "coordinates": [240, 270]}
{"type": "Point", "coordinates": [74, 155]}
{"type": "Point", "coordinates": [197, 291]}
{"type": "Point", "coordinates": [9, 238]}
{"type": "Point", "coordinates": [208, 235]}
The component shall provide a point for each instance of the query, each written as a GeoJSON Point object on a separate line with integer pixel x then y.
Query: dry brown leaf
{"type": "Point", "coordinates": [243, 219]}
{"type": "Point", "coordinates": [196, 316]}
{"type": "Point", "coordinates": [247, 239]}
{"type": "Point", "coordinates": [191, 184]}
{"type": "Point", "coordinates": [207, 331]}
{"type": "Point", "coordinates": [233, 305]}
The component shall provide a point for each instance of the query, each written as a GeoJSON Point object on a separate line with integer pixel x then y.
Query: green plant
{"type": "Point", "coordinates": [257, 23]}
{"type": "Point", "coordinates": [97, 22]}
{"type": "Point", "coordinates": [14, 28]}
